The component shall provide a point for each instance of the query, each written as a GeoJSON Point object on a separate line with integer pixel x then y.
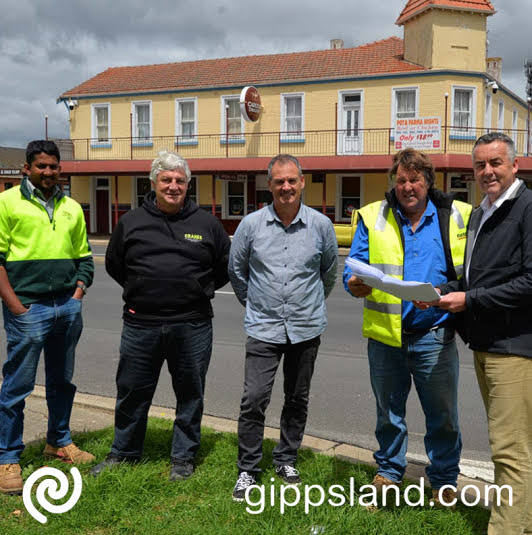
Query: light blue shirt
{"type": "Point", "coordinates": [424, 261]}
{"type": "Point", "coordinates": [49, 204]}
{"type": "Point", "coordinates": [282, 275]}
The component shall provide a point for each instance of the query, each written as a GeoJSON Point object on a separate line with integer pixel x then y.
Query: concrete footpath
{"type": "Point", "coordinates": [92, 412]}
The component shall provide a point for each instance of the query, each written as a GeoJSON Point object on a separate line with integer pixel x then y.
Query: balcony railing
{"type": "Point", "coordinates": [370, 141]}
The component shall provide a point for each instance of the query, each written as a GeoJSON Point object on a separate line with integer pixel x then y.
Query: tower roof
{"type": "Point", "coordinates": [416, 7]}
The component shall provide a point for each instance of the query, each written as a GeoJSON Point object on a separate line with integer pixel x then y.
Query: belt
{"type": "Point", "coordinates": [424, 331]}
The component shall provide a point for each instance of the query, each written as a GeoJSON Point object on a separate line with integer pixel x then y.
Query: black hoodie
{"type": "Point", "coordinates": [168, 265]}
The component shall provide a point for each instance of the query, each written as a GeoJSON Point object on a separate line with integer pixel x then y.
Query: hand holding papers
{"type": "Point", "coordinates": [407, 290]}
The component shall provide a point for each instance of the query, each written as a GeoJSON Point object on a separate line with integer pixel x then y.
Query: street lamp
{"type": "Point", "coordinates": [46, 127]}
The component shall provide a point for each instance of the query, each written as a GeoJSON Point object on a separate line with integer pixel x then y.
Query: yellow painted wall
{"type": "Point", "coordinates": [320, 114]}
{"type": "Point", "coordinates": [439, 181]}
{"type": "Point", "coordinates": [124, 189]}
{"type": "Point", "coordinates": [331, 189]}
{"type": "Point", "coordinates": [313, 192]}
{"type": "Point", "coordinates": [418, 39]}
{"type": "Point", "coordinates": [447, 39]}
{"type": "Point", "coordinates": [459, 40]}
{"type": "Point", "coordinates": [80, 189]}
{"type": "Point", "coordinates": [374, 187]}
{"type": "Point", "coordinates": [205, 190]}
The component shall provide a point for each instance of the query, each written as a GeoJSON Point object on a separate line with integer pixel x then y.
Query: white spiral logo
{"type": "Point", "coordinates": [50, 486]}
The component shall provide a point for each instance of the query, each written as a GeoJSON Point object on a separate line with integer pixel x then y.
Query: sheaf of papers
{"type": "Point", "coordinates": [407, 290]}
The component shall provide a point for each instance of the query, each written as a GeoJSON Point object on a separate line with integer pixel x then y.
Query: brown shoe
{"type": "Point", "coordinates": [379, 482]}
{"type": "Point", "coordinates": [447, 501]}
{"type": "Point", "coordinates": [10, 479]}
{"type": "Point", "coordinates": [68, 454]}
{"type": "Point", "coordinates": [383, 495]}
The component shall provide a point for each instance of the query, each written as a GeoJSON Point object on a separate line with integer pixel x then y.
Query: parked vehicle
{"type": "Point", "coordinates": [346, 231]}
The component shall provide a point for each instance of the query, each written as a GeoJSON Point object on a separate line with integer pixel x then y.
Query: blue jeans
{"type": "Point", "coordinates": [187, 347]}
{"type": "Point", "coordinates": [431, 360]}
{"type": "Point", "coordinates": [53, 326]}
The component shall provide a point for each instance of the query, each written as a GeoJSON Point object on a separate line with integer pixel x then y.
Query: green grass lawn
{"type": "Point", "coordinates": [140, 500]}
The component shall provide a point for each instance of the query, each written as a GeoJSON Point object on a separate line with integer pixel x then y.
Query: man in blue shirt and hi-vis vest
{"type": "Point", "coordinates": [417, 233]}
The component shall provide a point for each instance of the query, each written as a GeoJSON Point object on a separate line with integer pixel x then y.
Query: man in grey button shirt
{"type": "Point", "coordinates": [282, 266]}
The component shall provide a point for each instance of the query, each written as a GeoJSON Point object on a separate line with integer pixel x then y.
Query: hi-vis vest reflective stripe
{"type": "Point", "coordinates": [382, 311]}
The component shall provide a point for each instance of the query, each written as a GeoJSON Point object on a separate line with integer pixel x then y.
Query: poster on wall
{"type": "Point", "coordinates": [421, 133]}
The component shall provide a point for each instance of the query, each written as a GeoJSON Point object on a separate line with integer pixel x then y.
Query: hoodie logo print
{"type": "Point", "coordinates": [194, 237]}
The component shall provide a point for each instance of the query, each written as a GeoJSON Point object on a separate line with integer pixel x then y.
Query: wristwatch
{"type": "Point", "coordinates": [82, 286]}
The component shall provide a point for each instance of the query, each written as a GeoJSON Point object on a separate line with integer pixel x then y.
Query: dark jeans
{"type": "Point", "coordinates": [53, 326]}
{"type": "Point", "coordinates": [186, 346]}
{"type": "Point", "coordinates": [262, 361]}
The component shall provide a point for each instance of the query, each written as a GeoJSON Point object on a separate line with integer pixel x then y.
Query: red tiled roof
{"type": "Point", "coordinates": [415, 7]}
{"type": "Point", "coordinates": [380, 57]}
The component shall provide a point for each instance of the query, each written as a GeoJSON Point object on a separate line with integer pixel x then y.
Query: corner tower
{"type": "Point", "coordinates": [446, 34]}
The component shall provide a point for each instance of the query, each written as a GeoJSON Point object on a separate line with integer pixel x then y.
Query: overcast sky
{"type": "Point", "coordinates": [50, 46]}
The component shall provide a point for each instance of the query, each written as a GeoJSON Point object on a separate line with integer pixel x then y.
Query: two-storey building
{"type": "Point", "coordinates": [338, 110]}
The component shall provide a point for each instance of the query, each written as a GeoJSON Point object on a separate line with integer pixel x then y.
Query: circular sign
{"type": "Point", "coordinates": [250, 105]}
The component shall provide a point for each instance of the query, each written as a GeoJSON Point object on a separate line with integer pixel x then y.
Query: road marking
{"type": "Point", "coordinates": [226, 293]}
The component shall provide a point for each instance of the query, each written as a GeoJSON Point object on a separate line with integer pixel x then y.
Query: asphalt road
{"type": "Point", "coordinates": [341, 406]}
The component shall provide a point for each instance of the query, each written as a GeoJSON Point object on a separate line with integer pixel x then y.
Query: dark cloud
{"type": "Point", "coordinates": [50, 46]}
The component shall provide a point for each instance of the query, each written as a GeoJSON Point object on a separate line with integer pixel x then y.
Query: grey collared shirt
{"type": "Point", "coordinates": [282, 275]}
{"type": "Point", "coordinates": [48, 204]}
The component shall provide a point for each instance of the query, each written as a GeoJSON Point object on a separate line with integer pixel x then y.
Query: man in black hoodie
{"type": "Point", "coordinates": [169, 256]}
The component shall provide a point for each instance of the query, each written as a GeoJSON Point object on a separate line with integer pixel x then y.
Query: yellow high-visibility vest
{"type": "Point", "coordinates": [382, 311]}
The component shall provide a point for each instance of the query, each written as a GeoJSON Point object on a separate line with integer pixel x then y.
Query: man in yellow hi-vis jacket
{"type": "Point", "coordinates": [46, 266]}
{"type": "Point", "coordinates": [416, 233]}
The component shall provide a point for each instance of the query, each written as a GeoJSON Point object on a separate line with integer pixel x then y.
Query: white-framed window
{"type": "Point", "coordinates": [142, 122]}
{"type": "Point", "coordinates": [263, 195]}
{"type": "Point", "coordinates": [463, 112]}
{"type": "Point", "coordinates": [487, 110]}
{"type": "Point", "coordinates": [101, 124]}
{"type": "Point", "coordinates": [500, 115]}
{"type": "Point", "coordinates": [405, 104]}
{"type": "Point", "coordinates": [348, 196]}
{"type": "Point", "coordinates": [232, 122]}
{"type": "Point", "coordinates": [350, 121]}
{"type": "Point", "coordinates": [235, 199]}
{"type": "Point", "coordinates": [186, 113]}
{"type": "Point", "coordinates": [293, 117]}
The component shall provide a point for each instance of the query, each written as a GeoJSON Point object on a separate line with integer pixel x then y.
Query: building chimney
{"type": "Point", "coordinates": [494, 68]}
{"type": "Point", "coordinates": [337, 44]}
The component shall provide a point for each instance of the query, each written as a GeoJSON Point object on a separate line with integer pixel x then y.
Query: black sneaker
{"type": "Point", "coordinates": [289, 474]}
{"type": "Point", "coordinates": [111, 461]}
{"type": "Point", "coordinates": [245, 480]}
{"type": "Point", "coordinates": [181, 470]}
